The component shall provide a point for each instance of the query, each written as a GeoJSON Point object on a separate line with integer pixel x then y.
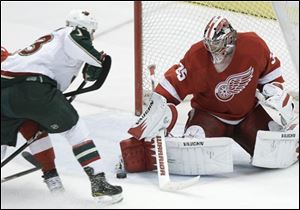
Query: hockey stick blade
{"type": "Point", "coordinates": [175, 186]}
{"type": "Point", "coordinates": [30, 158]}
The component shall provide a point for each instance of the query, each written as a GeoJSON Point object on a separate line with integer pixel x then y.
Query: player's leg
{"type": "Point", "coordinates": [9, 125]}
{"type": "Point", "coordinates": [205, 148]}
{"type": "Point", "coordinates": [3, 151]}
{"type": "Point", "coordinates": [269, 148]}
{"type": "Point", "coordinates": [65, 120]}
{"type": "Point", "coordinates": [201, 124]}
{"type": "Point", "coordinates": [245, 132]}
{"type": "Point", "coordinates": [14, 101]}
{"type": "Point", "coordinates": [88, 156]}
{"type": "Point", "coordinates": [47, 106]}
{"type": "Point", "coordinates": [43, 152]}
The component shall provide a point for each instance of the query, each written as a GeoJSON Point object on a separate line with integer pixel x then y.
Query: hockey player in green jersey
{"type": "Point", "coordinates": [32, 82]}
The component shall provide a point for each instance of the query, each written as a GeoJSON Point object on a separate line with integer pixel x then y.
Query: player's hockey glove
{"type": "Point", "coordinates": [91, 73]}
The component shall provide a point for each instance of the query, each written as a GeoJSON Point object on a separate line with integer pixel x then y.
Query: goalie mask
{"type": "Point", "coordinates": [82, 19]}
{"type": "Point", "coordinates": [219, 38]}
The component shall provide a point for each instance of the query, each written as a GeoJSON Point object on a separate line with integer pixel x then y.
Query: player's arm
{"type": "Point", "coordinates": [271, 65]}
{"type": "Point", "coordinates": [79, 46]}
{"type": "Point", "coordinates": [271, 85]}
{"type": "Point", "coordinates": [179, 81]}
{"type": "Point", "coordinates": [170, 86]}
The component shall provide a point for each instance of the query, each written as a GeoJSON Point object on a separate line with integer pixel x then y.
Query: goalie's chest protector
{"type": "Point", "coordinates": [231, 93]}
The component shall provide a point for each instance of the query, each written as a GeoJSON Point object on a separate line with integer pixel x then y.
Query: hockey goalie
{"type": "Point", "coordinates": [238, 95]}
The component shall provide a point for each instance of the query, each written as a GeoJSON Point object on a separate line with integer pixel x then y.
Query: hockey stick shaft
{"type": "Point", "coordinates": [163, 169]}
{"type": "Point", "coordinates": [161, 155]}
{"type": "Point", "coordinates": [14, 176]}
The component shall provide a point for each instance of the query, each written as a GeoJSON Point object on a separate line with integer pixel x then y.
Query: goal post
{"type": "Point", "coordinates": [165, 30]}
{"type": "Point", "coordinates": [138, 51]}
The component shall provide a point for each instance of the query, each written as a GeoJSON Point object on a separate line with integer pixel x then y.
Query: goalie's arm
{"type": "Point", "coordinates": [274, 95]}
{"type": "Point", "coordinates": [178, 82]}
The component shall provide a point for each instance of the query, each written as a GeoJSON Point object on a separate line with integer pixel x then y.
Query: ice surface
{"type": "Point", "coordinates": [109, 113]}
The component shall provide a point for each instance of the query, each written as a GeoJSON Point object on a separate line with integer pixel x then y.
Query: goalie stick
{"type": "Point", "coordinates": [161, 156]}
{"type": "Point", "coordinates": [163, 170]}
{"type": "Point", "coordinates": [30, 158]}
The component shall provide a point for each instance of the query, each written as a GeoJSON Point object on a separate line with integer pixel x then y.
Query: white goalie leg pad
{"type": "Point", "coordinates": [156, 117]}
{"type": "Point", "coordinates": [3, 151]}
{"type": "Point", "coordinates": [275, 149]}
{"type": "Point", "coordinates": [192, 156]}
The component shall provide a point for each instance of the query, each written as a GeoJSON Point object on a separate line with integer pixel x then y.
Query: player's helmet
{"type": "Point", "coordinates": [82, 19]}
{"type": "Point", "coordinates": [219, 38]}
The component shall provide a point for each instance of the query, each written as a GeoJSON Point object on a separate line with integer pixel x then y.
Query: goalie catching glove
{"type": "Point", "coordinates": [274, 96]}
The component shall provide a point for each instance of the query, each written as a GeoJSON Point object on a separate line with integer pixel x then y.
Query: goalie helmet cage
{"type": "Point", "coordinates": [165, 30]}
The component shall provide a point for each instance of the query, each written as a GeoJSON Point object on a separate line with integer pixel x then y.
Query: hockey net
{"type": "Point", "coordinates": [165, 30]}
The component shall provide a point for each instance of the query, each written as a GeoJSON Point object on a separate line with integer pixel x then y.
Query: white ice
{"type": "Point", "coordinates": [108, 113]}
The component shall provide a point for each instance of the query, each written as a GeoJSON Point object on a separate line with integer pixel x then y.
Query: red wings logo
{"type": "Point", "coordinates": [233, 85]}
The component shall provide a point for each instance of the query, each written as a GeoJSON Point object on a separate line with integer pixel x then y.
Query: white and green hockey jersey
{"type": "Point", "coordinates": [59, 55]}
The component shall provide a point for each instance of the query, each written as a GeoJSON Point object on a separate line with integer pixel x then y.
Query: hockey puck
{"type": "Point", "coordinates": [121, 175]}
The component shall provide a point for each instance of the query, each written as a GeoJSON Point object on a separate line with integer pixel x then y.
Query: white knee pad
{"type": "Point", "coordinates": [191, 156]}
{"type": "Point", "coordinates": [3, 151]}
{"type": "Point", "coordinates": [195, 131]}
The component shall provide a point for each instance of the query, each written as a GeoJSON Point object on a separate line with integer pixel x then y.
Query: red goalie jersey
{"type": "Point", "coordinates": [229, 95]}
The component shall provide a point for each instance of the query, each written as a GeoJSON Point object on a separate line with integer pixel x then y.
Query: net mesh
{"type": "Point", "coordinates": [170, 28]}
